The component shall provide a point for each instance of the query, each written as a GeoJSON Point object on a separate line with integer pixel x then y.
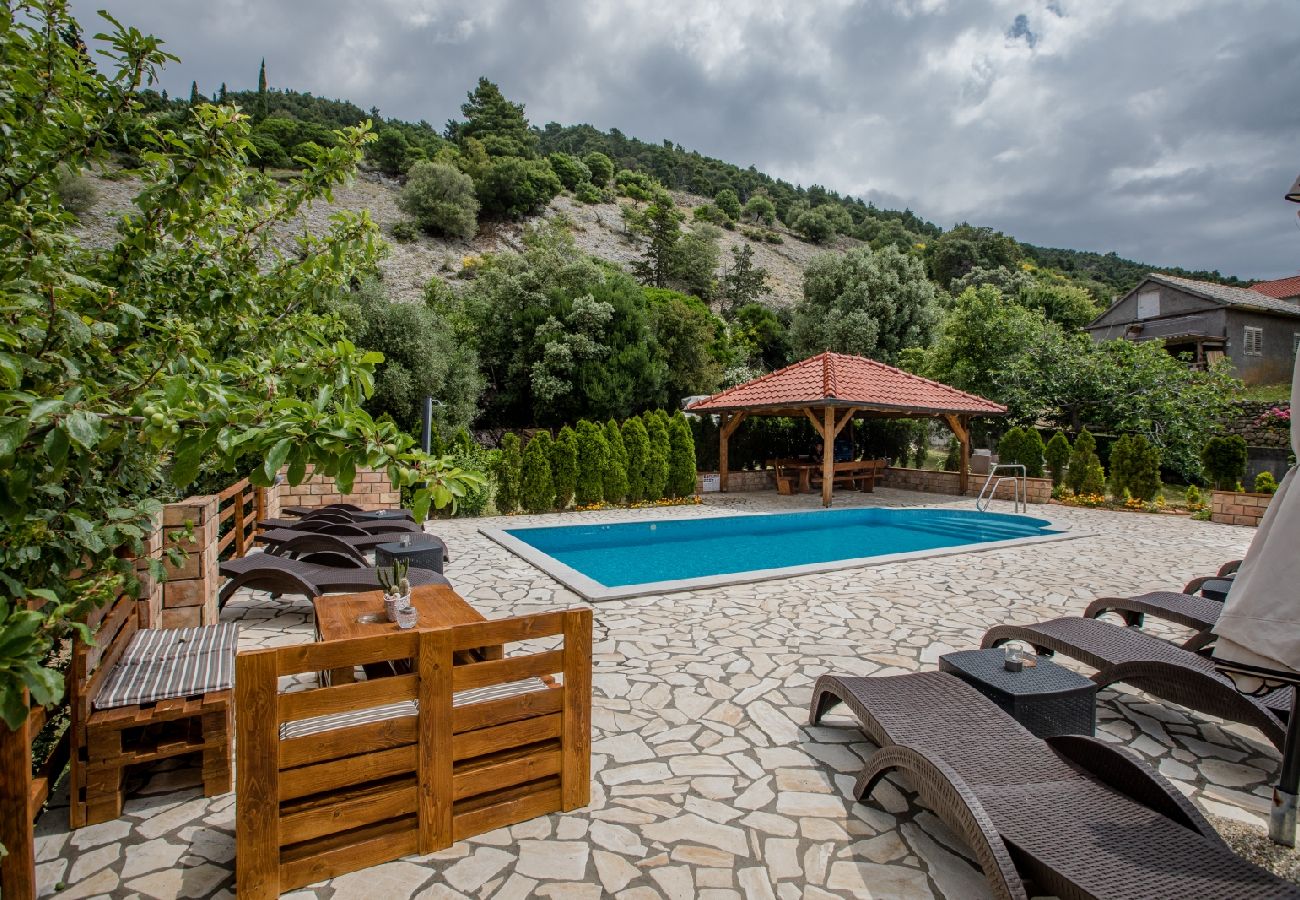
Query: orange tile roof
{"type": "Point", "coordinates": [1281, 288]}
{"type": "Point", "coordinates": [843, 380]}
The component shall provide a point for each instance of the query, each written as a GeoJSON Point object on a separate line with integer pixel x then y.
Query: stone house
{"type": "Point", "coordinates": [1256, 332]}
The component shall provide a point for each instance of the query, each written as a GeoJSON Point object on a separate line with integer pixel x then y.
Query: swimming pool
{"type": "Point", "coordinates": [625, 559]}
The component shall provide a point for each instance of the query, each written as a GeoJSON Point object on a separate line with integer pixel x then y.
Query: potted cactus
{"type": "Point", "coordinates": [397, 587]}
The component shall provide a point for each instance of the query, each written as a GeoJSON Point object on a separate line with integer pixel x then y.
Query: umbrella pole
{"type": "Point", "coordinates": [1282, 817]}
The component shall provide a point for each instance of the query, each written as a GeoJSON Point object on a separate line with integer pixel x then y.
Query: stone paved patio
{"type": "Point", "coordinates": [707, 782]}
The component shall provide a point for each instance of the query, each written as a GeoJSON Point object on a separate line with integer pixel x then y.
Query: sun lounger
{"type": "Point", "coordinates": [1073, 815]}
{"type": "Point", "coordinates": [1188, 610]}
{"type": "Point", "coordinates": [1149, 664]}
{"type": "Point", "coordinates": [312, 576]}
{"type": "Point", "coordinates": [335, 525]}
{"type": "Point", "coordinates": [353, 542]}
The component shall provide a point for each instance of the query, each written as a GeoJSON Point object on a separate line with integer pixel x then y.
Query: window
{"type": "Point", "coordinates": [1149, 304]}
{"type": "Point", "coordinates": [1254, 341]}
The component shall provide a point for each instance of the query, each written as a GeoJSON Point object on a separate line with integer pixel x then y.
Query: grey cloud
{"type": "Point", "coordinates": [1165, 132]}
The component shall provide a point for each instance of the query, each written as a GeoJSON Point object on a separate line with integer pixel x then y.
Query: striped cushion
{"type": "Point", "coordinates": [321, 724]}
{"type": "Point", "coordinates": [162, 663]}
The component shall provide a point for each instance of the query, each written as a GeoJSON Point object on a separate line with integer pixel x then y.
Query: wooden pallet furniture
{"type": "Point", "coordinates": [859, 474]}
{"type": "Point", "coordinates": [105, 742]}
{"type": "Point", "coordinates": [339, 778]}
{"type": "Point", "coordinates": [23, 793]}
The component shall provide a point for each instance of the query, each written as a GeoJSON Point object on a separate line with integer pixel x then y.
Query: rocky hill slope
{"type": "Point", "coordinates": [597, 229]}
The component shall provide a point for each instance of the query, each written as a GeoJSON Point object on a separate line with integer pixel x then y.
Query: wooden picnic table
{"type": "Point", "coordinates": [342, 616]}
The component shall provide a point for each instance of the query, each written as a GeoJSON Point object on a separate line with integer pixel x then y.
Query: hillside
{"type": "Point", "coordinates": [597, 229]}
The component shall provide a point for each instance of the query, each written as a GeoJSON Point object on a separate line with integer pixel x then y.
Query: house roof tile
{"type": "Point", "coordinates": [1244, 298]}
{"type": "Point", "coordinates": [839, 379]}
{"type": "Point", "coordinates": [1280, 288]}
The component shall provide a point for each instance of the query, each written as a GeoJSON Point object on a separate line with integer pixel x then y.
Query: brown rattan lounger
{"type": "Point", "coordinates": [1072, 815]}
{"type": "Point", "coordinates": [1190, 611]}
{"type": "Point", "coordinates": [320, 573]}
{"type": "Point", "coordinates": [1149, 664]}
{"type": "Point", "coordinates": [335, 525]}
{"type": "Point", "coordinates": [343, 539]}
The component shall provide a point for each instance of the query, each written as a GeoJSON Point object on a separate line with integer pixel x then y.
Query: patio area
{"type": "Point", "coordinates": [707, 783]}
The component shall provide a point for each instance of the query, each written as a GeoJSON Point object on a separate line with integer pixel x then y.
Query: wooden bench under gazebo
{"type": "Point", "coordinates": [830, 389]}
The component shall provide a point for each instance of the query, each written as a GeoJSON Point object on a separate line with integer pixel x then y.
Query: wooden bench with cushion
{"type": "Point", "coordinates": [859, 474]}
{"type": "Point", "coordinates": [340, 778]}
{"type": "Point", "coordinates": [139, 695]}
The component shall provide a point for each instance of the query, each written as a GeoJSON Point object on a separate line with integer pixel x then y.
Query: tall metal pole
{"type": "Point", "coordinates": [426, 426]}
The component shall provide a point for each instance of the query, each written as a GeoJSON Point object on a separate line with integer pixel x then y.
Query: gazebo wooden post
{"type": "Point", "coordinates": [960, 426]}
{"type": "Point", "coordinates": [828, 454]}
{"type": "Point", "coordinates": [728, 426]}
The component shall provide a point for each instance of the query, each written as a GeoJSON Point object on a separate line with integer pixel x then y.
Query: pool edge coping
{"type": "Point", "coordinates": [592, 590]}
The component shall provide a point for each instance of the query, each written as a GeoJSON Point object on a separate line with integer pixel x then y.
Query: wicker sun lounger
{"type": "Point", "coordinates": [343, 539]}
{"type": "Point", "coordinates": [1188, 610]}
{"type": "Point", "coordinates": [312, 576]}
{"type": "Point", "coordinates": [1075, 816]}
{"type": "Point", "coordinates": [1149, 664]}
{"type": "Point", "coordinates": [336, 525]}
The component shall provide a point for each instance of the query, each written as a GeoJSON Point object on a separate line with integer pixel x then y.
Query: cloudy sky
{"type": "Point", "coordinates": [1166, 131]}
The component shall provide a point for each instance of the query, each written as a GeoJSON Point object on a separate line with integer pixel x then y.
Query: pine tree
{"type": "Point", "coordinates": [261, 108]}
{"type": "Point", "coordinates": [744, 282]}
{"type": "Point", "coordinates": [564, 466]}
{"type": "Point", "coordinates": [593, 457]}
{"type": "Point", "coordinates": [508, 473]}
{"type": "Point", "coordinates": [657, 459]}
{"type": "Point", "coordinates": [497, 122]}
{"type": "Point", "coordinates": [616, 468]}
{"type": "Point", "coordinates": [637, 443]}
{"type": "Point", "coordinates": [681, 457]}
{"type": "Point", "coordinates": [536, 490]}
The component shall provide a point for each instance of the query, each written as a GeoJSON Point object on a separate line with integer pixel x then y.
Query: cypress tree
{"type": "Point", "coordinates": [1085, 446]}
{"type": "Point", "coordinates": [536, 490]}
{"type": "Point", "coordinates": [616, 467]}
{"type": "Point", "coordinates": [593, 457]}
{"type": "Point", "coordinates": [1121, 465]}
{"type": "Point", "coordinates": [509, 469]}
{"type": "Point", "coordinates": [1057, 453]}
{"type": "Point", "coordinates": [681, 457]}
{"type": "Point", "coordinates": [564, 466]}
{"type": "Point", "coordinates": [637, 444]}
{"type": "Point", "coordinates": [221, 94]}
{"type": "Point", "coordinates": [260, 109]}
{"type": "Point", "coordinates": [195, 99]}
{"type": "Point", "coordinates": [657, 459]}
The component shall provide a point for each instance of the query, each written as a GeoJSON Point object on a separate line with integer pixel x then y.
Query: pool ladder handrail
{"type": "Point", "coordinates": [1020, 487]}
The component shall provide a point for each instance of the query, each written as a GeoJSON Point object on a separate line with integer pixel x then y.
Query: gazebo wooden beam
{"type": "Point", "coordinates": [730, 422]}
{"type": "Point", "coordinates": [960, 426]}
{"type": "Point", "coordinates": [828, 427]}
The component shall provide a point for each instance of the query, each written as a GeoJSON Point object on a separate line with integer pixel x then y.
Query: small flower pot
{"type": "Point", "coordinates": [394, 604]}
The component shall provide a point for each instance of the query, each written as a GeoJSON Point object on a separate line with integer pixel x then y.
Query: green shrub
{"type": "Point", "coordinates": [509, 469]}
{"type": "Point", "coordinates": [1135, 468]}
{"type": "Point", "coordinates": [441, 199]}
{"type": "Point", "coordinates": [600, 166]}
{"type": "Point", "coordinates": [405, 231]}
{"type": "Point", "coordinates": [615, 475]}
{"type": "Point", "coordinates": [1193, 497]}
{"type": "Point", "coordinates": [657, 458]}
{"type": "Point", "coordinates": [1094, 476]}
{"type": "Point", "coordinates": [759, 208]}
{"type": "Point", "coordinates": [593, 458]}
{"type": "Point", "coordinates": [1265, 483]}
{"type": "Point", "coordinates": [569, 169]}
{"type": "Point", "coordinates": [1022, 446]}
{"type": "Point", "coordinates": [708, 212]}
{"type": "Point", "coordinates": [637, 445]}
{"type": "Point", "coordinates": [588, 193]}
{"type": "Point", "coordinates": [813, 225]}
{"type": "Point", "coordinates": [564, 466]}
{"type": "Point", "coordinates": [536, 490]}
{"type": "Point", "coordinates": [952, 462]}
{"type": "Point", "coordinates": [681, 457]}
{"type": "Point", "coordinates": [77, 193]}
{"type": "Point", "coordinates": [1224, 460]}
{"type": "Point", "coordinates": [466, 454]}
{"type": "Point", "coordinates": [1057, 455]}
{"type": "Point", "coordinates": [512, 186]}
{"type": "Point", "coordinates": [727, 201]}
{"type": "Point", "coordinates": [1085, 446]}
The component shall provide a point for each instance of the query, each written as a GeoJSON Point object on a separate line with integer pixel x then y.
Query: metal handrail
{"type": "Point", "coordinates": [1020, 487]}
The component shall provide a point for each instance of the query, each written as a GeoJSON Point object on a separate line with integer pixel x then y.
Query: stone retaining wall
{"type": "Point", "coordinates": [370, 490]}
{"type": "Point", "coordinates": [1232, 508]}
{"type": "Point", "coordinates": [739, 482]}
{"type": "Point", "coordinates": [1038, 490]}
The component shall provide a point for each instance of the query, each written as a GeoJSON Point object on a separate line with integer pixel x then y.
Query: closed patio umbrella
{"type": "Point", "coordinates": [1258, 631]}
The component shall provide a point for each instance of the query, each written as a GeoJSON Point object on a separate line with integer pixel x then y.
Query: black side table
{"type": "Point", "coordinates": [1047, 699]}
{"type": "Point", "coordinates": [379, 515]}
{"type": "Point", "coordinates": [424, 552]}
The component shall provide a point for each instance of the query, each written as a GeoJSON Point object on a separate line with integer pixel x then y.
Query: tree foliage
{"type": "Point", "coordinates": [656, 466]}
{"type": "Point", "coordinates": [1224, 460]}
{"type": "Point", "coordinates": [1057, 456]}
{"type": "Point", "coordinates": [593, 460]}
{"type": "Point", "coordinates": [681, 457]}
{"type": "Point", "coordinates": [1134, 468]}
{"type": "Point", "coordinates": [636, 441]}
{"type": "Point", "coordinates": [965, 247]}
{"type": "Point", "coordinates": [569, 169]}
{"type": "Point", "coordinates": [187, 339]}
{"type": "Point", "coordinates": [564, 466]}
{"type": "Point", "coordinates": [600, 167]}
{"type": "Point", "coordinates": [743, 282]}
{"type": "Point", "coordinates": [868, 302]}
{"type": "Point", "coordinates": [536, 488]}
{"type": "Point", "coordinates": [497, 123]}
{"type": "Point", "coordinates": [509, 471]}
{"type": "Point", "coordinates": [1022, 446]}
{"type": "Point", "coordinates": [1081, 456]}
{"type": "Point", "coordinates": [615, 475]}
{"type": "Point", "coordinates": [441, 199]}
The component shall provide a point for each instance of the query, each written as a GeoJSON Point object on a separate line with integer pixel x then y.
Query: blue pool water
{"type": "Point", "coordinates": [644, 552]}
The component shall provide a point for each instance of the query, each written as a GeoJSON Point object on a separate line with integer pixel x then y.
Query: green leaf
{"type": "Point", "coordinates": [276, 456]}
{"type": "Point", "coordinates": [56, 446]}
{"type": "Point", "coordinates": [11, 436]}
{"type": "Point", "coordinates": [187, 460]}
{"type": "Point", "coordinates": [176, 390]}
{"type": "Point", "coordinates": [83, 428]}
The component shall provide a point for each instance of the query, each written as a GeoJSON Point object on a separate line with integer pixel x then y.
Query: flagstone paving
{"type": "Point", "coordinates": [707, 781]}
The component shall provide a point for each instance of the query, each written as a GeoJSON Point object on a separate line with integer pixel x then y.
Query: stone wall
{"type": "Point", "coordinates": [370, 490]}
{"type": "Point", "coordinates": [739, 482]}
{"type": "Point", "coordinates": [1038, 490]}
{"type": "Point", "coordinates": [1247, 419]}
{"type": "Point", "coordinates": [1232, 508]}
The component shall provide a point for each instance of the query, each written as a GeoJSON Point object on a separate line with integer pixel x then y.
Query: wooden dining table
{"type": "Point", "coordinates": [342, 616]}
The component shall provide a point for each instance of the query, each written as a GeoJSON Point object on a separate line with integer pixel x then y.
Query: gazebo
{"type": "Point", "coordinates": [830, 389]}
